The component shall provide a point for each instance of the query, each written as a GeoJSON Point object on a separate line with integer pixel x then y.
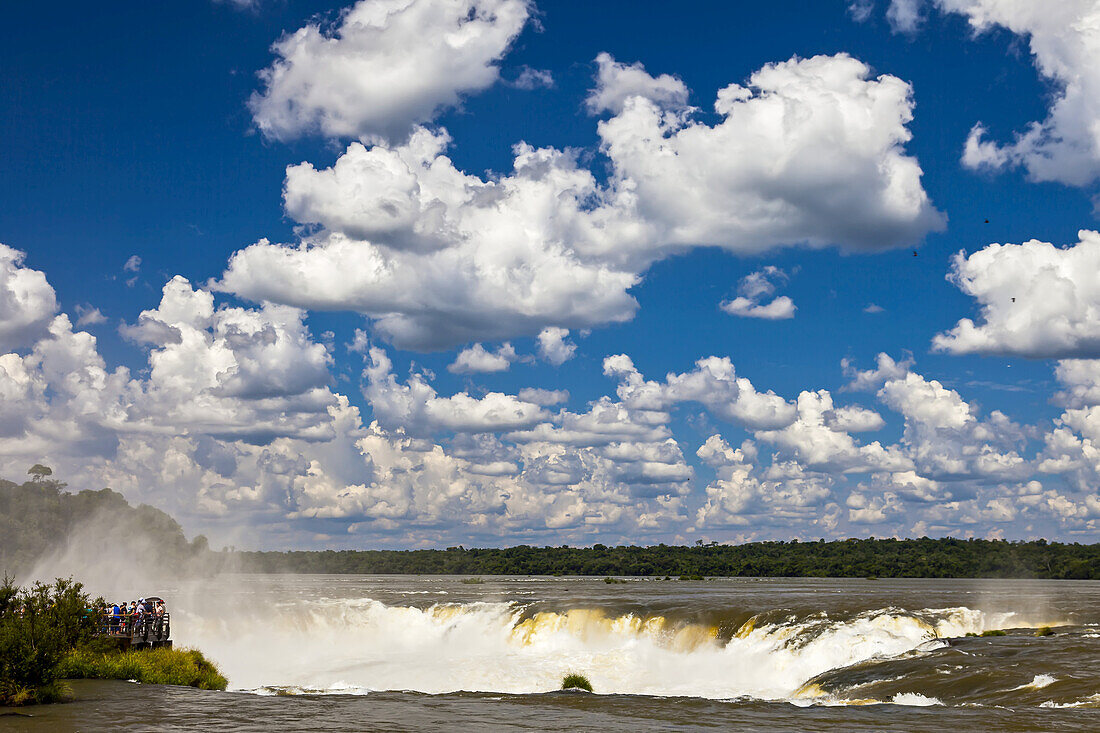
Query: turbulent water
{"type": "Point", "coordinates": [393, 652]}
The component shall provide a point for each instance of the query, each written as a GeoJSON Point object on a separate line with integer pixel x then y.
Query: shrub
{"type": "Point", "coordinates": [38, 626]}
{"type": "Point", "coordinates": [574, 681]}
{"type": "Point", "coordinates": [1044, 631]}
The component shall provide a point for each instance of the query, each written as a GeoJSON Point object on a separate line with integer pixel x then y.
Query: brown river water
{"type": "Point", "coordinates": [352, 652]}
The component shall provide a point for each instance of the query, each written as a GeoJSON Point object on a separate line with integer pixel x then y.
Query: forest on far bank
{"type": "Point", "coordinates": [39, 517]}
{"type": "Point", "coordinates": [882, 558]}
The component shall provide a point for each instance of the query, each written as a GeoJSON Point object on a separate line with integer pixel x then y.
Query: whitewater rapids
{"type": "Point", "coordinates": [360, 645]}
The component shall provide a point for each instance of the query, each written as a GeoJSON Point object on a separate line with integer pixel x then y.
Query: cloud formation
{"type": "Point", "coordinates": [755, 287]}
{"type": "Point", "coordinates": [713, 383]}
{"type": "Point", "coordinates": [1064, 38]}
{"type": "Point", "coordinates": [554, 346]}
{"type": "Point", "coordinates": [476, 360]}
{"type": "Point", "coordinates": [534, 79]}
{"type": "Point", "coordinates": [1036, 300]}
{"type": "Point", "coordinates": [904, 16]}
{"type": "Point", "coordinates": [235, 416]}
{"type": "Point", "coordinates": [89, 316]}
{"type": "Point", "coordinates": [616, 83]}
{"type": "Point", "coordinates": [383, 67]}
{"type": "Point", "coordinates": [438, 257]}
{"type": "Point", "coordinates": [833, 172]}
{"type": "Point", "coordinates": [27, 302]}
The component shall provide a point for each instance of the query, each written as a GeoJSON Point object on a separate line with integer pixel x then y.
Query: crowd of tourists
{"type": "Point", "coordinates": [133, 618]}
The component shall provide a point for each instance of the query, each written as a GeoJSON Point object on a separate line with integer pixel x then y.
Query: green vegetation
{"type": "Point", "coordinates": [990, 632]}
{"type": "Point", "coordinates": [1044, 631]}
{"type": "Point", "coordinates": [472, 581]}
{"type": "Point", "coordinates": [613, 581]}
{"type": "Point", "coordinates": [853, 558]}
{"type": "Point", "coordinates": [575, 681]}
{"type": "Point", "coordinates": [187, 667]}
{"type": "Point", "coordinates": [38, 627]}
{"type": "Point", "coordinates": [36, 514]}
{"type": "Point", "coordinates": [47, 633]}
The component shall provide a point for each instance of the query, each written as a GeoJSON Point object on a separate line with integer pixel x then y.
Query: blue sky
{"type": "Point", "coordinates": [281, 269]}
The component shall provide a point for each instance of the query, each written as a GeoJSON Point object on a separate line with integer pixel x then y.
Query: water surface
{"type": "Point", "coordinates": [430, 652]}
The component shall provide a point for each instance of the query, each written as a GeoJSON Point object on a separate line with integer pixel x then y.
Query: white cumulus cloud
{"type": "Point", "coordinates": [416, 407]}
{"type": "Point", "coordinates": [616, 83]}
{"type": "Point", "coordinates": [27, 301]}
{"type": "Point", "coordinates": [553, 346]}
{"type": "Point", "coordinates": [805, 130]}
{"type": "Point", "coordinates": [870, 380]}
{"type": "Point", "coordinates": [437, 257]}
{"type": "Point", "coordinates": [476, 360]}
{"type": "Point", "coordinates": [754, 288]}
{"type": "Point", "coordinates": [385, 66]}
{"type": "Point", "coordinates": [1064, 38]}
{"type": "Point", "coordinates": [1036, 300]}
{"type": "Point", "coordinates": [713, 383]}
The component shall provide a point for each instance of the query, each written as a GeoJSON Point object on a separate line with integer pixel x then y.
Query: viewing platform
{"type": "Point", "coordinates": [148, 630]}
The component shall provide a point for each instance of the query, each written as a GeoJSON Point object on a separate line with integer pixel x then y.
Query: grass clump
{"type": "Point", "coordinates": [1044, 631]}
{"type": "Point", "coordinates": [472, 581]}
{"type": "Point", "coordinates": [574, 681]}
{"type": "Point", "coordinates": [186, 667]}
{"type": "Point", "coordinates": [17, 695]}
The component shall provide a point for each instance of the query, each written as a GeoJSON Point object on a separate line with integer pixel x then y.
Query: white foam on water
{"type": "Point", "coordinates": [360, 645]}
{"type": "Point", "coordinates": [1092, 701]}
{"type": "Point", "coordinates": [914, 699]}
{"type": "Point", "coordinates": [1039, 682]}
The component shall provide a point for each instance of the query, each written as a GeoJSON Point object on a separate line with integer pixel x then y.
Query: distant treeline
{"type": "Point", "coordinates": [885, 558]}
{"type": "Point", "coordinates": [38, 517]}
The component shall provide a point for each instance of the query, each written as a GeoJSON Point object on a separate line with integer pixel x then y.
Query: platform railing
{"type": "Point", "coordinates": [144, 627]}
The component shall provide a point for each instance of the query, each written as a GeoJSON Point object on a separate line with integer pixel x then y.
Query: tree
{"type": "Point", "coordinates": [38, 626]}
{"type": "Point", "coordinates": [38, 472]}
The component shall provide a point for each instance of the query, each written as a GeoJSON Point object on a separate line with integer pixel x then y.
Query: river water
{"type": "Point", "coordinates": [353, 652]}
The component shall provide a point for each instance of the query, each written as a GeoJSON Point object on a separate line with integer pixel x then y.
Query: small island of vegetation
{"type": "Point", "coordinates": [574, 681]}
